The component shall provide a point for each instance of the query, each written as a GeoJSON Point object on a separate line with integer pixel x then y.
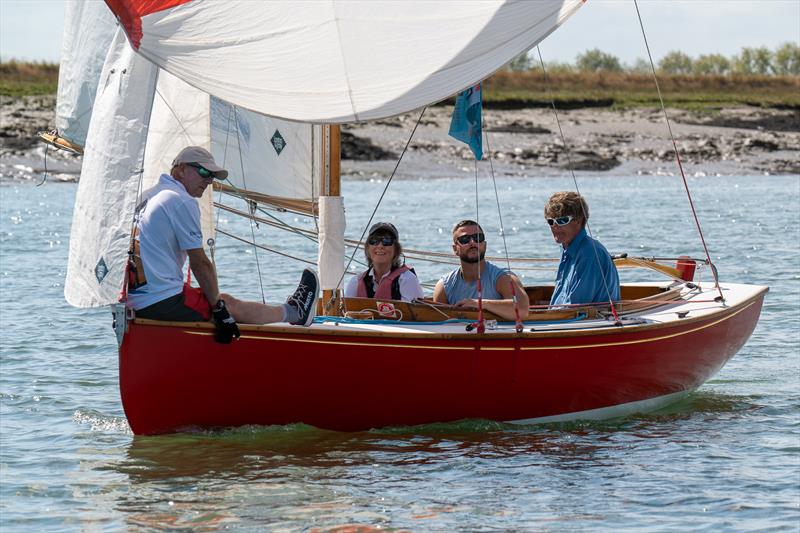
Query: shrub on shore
{"type": "Point", "coordinates": [20, 78]}
{"type": "Point", "coordinates": [755, 76]}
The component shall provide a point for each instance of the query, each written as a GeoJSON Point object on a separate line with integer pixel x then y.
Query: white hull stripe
{"type": "Point", "coordinates": [614, 411]}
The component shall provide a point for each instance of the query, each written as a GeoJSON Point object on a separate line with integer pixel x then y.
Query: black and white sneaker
{"type": "Point", "coordinates": [305, 297]}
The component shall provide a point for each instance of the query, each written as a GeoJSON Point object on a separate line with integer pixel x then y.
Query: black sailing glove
{"type": "Point", "coordinates": [226, 325]}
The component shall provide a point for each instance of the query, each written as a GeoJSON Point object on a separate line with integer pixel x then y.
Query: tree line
{"type": "Point", "coordinates": [760, 61]}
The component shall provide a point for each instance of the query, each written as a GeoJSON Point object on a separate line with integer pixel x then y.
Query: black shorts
{"type": "Point", "coordinates": [172, 308]}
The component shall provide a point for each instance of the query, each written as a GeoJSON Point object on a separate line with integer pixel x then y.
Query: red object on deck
{"type": "Point", "coordinates": [686, 267]}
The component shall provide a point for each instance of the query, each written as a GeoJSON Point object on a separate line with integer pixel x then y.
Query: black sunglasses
{"type": "Point", "coordinates": [477, 237]}
{"type": "Point", "coordinates": [386, 241]}
{"type": "Point", "coordinates": [203, 171]}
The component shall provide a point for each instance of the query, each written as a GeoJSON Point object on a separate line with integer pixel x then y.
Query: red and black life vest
{"type": "Point", "coordinates": [388, 288]}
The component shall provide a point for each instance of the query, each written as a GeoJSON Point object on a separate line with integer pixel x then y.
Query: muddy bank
{"type": "Point", "coordinates": [525, 142]}
{"type": "Point", "coordinates": [741, 141]}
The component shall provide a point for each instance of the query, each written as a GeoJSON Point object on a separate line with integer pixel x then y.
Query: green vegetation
{"type": "Point", "coordinates": [783, 61]}
{"type": "Point", "coordinates": [755, 76]}
{"type": "Point", "coordinates": [632, 89]}
{"type": "Point", "coordinates": [23, 79]}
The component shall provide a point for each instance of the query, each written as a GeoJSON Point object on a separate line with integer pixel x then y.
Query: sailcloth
{"type": "Point", "coordinates": [89, 28]}
{"type": "Point", "coordinates": [339, 60]}
{"type": "Point", "coordinates": [108, 188]}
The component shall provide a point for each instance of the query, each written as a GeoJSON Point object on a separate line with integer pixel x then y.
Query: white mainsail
{"type": "Point", "coordinates": [336, 61]}
{"type": "Point", "coordinates": [340, 60]}
{"type": "Point", "coordinates": [266, 157]}
{"type": "Point", "coordinates": [89, 28]}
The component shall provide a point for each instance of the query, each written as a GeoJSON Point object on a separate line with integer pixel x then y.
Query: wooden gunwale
{"type": "Point", "coordinates": [688, 324]}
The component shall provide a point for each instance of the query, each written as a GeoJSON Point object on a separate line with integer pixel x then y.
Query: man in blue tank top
{"type": "Point", "coordinates": [499, 285]}
{"type": "Point", "coordinates": [586, 273]}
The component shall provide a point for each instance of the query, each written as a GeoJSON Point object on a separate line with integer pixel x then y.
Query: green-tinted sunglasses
{"type": "Point", "coordinates": [203, 171]}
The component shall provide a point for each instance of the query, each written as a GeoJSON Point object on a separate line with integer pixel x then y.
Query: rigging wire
{"type": "Point", "coordinates": [250, 218]}
{"type": "Point", "coordinates": [575, 182]}
{"type": "Point", "coordinates": [503, 232]}
{"type": "Point", "coordinates": [481, 321]}
{"type": "Point", "coordinates": [386, 188]}
{"type": "Point", "coordinates": [422, 255]}
{"type": "Point", "coordinates": [265, 248]}
{"type": "Point", "coordinates": [677, 154]}
{"type": "Point", "coordinates": [213, 243]}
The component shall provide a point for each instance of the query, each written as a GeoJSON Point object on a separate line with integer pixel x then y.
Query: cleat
{"type": "Point", "coordinates": [305, 297]}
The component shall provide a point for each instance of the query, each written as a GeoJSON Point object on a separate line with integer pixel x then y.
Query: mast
{"type": "Point", "coordinates": [331, 221]}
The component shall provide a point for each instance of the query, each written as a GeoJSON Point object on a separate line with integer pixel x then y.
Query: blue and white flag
{"type": "Point", "coordinates": [466, 122]}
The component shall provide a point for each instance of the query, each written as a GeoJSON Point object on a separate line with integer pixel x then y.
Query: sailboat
{"type": "Point", "coordinates": [264, 87]}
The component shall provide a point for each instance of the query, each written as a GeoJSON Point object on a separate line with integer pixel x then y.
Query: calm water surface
{"type": "Point", "coordinates": [725, 458]}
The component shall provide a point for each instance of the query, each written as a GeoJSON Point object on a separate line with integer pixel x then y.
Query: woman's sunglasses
{"type": "Point", "coordinates": [203, 171]}
{"type": "Point", "coordinates": [386, 241]}
{"type": "Point", "coordinates": [560, 221]}
{"type": "Point", "coordinates": [477, 237]}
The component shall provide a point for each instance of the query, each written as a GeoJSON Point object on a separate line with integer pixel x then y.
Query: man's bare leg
{"type": "Point", "coordinates": [246, 312]}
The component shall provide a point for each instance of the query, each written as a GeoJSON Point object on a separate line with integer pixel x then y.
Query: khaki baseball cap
{"type": "Point", "coordinates": [201, 156]}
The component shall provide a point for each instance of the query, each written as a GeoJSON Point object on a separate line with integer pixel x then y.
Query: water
{"type": "Point", "coordinates": [725, 458]}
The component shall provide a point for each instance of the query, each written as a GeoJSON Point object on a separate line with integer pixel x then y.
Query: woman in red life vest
{"type": "Point", "coordinates": [386, 278]}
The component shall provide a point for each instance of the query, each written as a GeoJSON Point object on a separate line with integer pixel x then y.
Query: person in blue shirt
{"type": "Point", "coordinates": [586, 273]}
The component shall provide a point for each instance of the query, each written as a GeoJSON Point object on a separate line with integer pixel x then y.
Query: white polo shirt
{"type": "Point", "coordinates": [169, 224]}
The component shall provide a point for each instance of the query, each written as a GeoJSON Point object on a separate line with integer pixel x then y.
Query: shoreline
{"type": "Point", "coordinates": [522, 142]}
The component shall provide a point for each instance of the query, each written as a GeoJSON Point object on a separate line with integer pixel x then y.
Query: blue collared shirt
{"type": "Point", "coordinates": [581, 271]}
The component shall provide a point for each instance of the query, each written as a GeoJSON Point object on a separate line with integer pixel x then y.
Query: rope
{"type": "Point", "coordinates": [677, 154]}
{"type": "Point", "coordinates": [575, 181]}
{"type": "Point", "coordinates": [44, 178]}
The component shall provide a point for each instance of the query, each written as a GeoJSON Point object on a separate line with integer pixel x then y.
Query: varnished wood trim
{"type": "Point", "coordinates": [720, 315]}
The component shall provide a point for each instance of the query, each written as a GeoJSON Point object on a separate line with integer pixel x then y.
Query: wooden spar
{"type": "Point", "coordinates": [334, 173]}
{"type": "Point", "coordinates": [331, 186]}
{"type": "Point", "coordinates": [53, 139]}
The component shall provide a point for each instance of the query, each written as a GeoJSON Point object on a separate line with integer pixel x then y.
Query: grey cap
{"type": "Point", "coordinates": [201, 156]}
{"type": "Point", "coordinates": [388, 227]}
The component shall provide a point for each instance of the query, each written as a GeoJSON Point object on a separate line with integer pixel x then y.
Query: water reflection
{"type": "Point", "coordinates": [438, 476]}
{"type": "Point", "coordinates": [257, 450]}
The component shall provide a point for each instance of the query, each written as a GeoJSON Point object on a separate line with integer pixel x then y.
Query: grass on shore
{"type": "Point", "coordinates": [530, 89]}
{"type": "Point", "coordinates": [19, 78]}
{"type": "Point", "coordinates": [626, 90]}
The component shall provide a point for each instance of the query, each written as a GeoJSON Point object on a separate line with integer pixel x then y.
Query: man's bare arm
{"type": "Point", "coordinates": [439, 295]}
{"type": "Point", "coordinates": [205, 274]}
{"type": "Point", "coordinates": [504, 308]}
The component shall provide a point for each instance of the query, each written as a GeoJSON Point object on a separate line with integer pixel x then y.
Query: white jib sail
{"type": "Point", "coordinates": [340, 60]}
{"type": "Point", "coordinates": [89, 28]}
{"type": "Point", "coordinates": [108, 188]}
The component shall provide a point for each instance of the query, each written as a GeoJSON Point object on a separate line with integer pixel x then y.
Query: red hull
{"type": "Point", "coordinates": [175, 378]}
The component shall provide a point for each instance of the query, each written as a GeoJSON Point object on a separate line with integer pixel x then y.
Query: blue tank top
{"type": "Point", "coordinates": [457, 289]}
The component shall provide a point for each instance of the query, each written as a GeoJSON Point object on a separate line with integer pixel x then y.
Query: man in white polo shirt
{"type": "Point", "coordinates": [168, 223]}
